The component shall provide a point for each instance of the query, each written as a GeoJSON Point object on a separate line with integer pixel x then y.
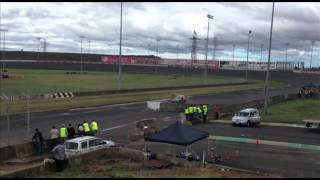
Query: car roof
{"type": "Point", "coordinates": [248, 110]}
{"type": "Point", "coordinates": [84, 138]}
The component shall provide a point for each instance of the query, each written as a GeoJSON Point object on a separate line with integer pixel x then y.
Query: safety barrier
{"type": "Point", "coordinates": [60, 95]}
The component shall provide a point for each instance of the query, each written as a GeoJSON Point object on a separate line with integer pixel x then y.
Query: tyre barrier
{"type": "Point", "coordinates": [60, 95]}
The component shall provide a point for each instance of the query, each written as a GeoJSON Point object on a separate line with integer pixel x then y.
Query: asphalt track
{"type": "Point", "coordinates": [117, 122]}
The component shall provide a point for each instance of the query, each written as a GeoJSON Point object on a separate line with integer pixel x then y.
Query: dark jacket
{"type": "Point", "coordinates": [38, 137]}
{"type": "Point", "coordinates": [71, 132]}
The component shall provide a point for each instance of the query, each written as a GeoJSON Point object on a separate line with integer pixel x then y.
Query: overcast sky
{"type": "Point", "coordinates": [61, 24]}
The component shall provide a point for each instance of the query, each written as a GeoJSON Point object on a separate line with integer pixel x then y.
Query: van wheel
{"type": "Point", "coordinates": [234, 124]}
{"type": "Point", "coordinates": [248, 124]}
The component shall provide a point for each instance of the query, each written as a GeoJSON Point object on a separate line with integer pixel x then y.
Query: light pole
{"type": "Point", "coordinates": [248, 54]}
{"type": "Point", "coordinates": [266, 93]}
{"type": "Point", "coordinates": [177, 51]}
{"type": "Point", "coordinates": [4, 48]}
{"type": "Point", "coordinates": [120, 51]}
{"type": "Point", "coordinates": [39, 39]}
{"type": "Point", "coordinates": [156, 68]}
{"type": "Point", "coordinates": [206, 66]}
{"type": "Point", "coordinates": [81, 66]}
{"type": "Point", "coordinates": [285, 66]}
{"type": "Point", "coordinates": [89, 41]}
{"type": "Point", "coordinates": [312, 43]}
{"type": "Point", "coordinates": [261, 46]}
{"type": "Point", "coordinates": [233, 46]}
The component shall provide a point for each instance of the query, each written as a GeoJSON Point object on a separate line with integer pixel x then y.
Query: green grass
{"type": "Point", "coordinates": [19, 107]}
{"type": "Point", "coordinates": [50, 81]}
{"type": "Point", "coordinates": [293, 111]}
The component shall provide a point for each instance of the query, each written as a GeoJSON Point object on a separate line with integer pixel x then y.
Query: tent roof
{"type": "Point", "coordinates": [178, 134]}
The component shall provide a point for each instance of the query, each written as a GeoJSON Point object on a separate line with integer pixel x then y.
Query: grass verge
{"type": "Point", "coordinates": [293, 111]}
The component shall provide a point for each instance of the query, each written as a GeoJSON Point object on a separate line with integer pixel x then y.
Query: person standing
{"type": "Point", "coordinates": [204, 113]}
{"type": "Point", "coordinates": [71, 131]}
{"type": "Point", "coordinates": [39, 140]}
{"type": "Point", "coordinates": [94, 127]}
{"type": "Point", "coordinates": [80, 130]}
{"type": "Point", "coordinates": [186, 112]}
{"type": "Point", "coordinates": [54, 136]}
{"type": "Point", "coordinates": [63, 133]}
{"type": "Point", "coordinates": [86, 128]}
{"type": "Point", "coordinates": [59, 156]}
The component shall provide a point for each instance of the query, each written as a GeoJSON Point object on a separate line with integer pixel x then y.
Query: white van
{"type": "Point", "coordinates": [85, 144]}
{"type": "Point", "coordinates": [246, 117]}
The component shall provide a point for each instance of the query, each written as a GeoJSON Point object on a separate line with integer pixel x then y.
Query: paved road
{"type": "Point", "coordinates": [110, 116]}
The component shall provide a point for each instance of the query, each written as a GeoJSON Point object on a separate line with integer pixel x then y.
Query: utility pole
{"type": "Point", "coordinates": [233, 46]}
{"type": "Point", "coordinates": [248, 55]}
{"type": "Point", "coordinates": [285, 66]}
{"type": "Point", "coordinates": [261, 46]}
{"type": "Point", "coordinates": [312, 43]}
{"type": "Point", "coordinates": [89, 41]}
{"type": "Point", "coordinates": [120, 51]}
{"type": "Point", "coordinates": [156, 68]}
{"type": "Point", "coordinates": [44, 45]}
{"type": "Point", "coordinates": [81, 65]}
{"type": "Point", "coordinates": [4, 48]}
{"type": "Point", "coordinates": [39, 39]}
{"type": "Point", "coordinates": [207, 44]}
{"type": "Point", "coordinates": [266, 93]}
{"type": "Point", "coordinates": [177, 51]}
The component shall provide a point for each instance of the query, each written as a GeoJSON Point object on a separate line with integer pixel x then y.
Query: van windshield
{"type": "Point", "coordinates": [242, 114]}
{"type": "Point", "coordinates": [71, 145]}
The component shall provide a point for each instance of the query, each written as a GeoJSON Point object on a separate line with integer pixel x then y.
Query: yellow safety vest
{"type": "Point", "coordinates": [63, 132]}
{"type": "Point", "coordinates": [94, 126]}
{"type": "Point", "coordinates": [194, 109]}
{"type": "Point", "coordinates": [186, 111]}
{"type": "Point", "coordinates": [199, 110]}
{"type": "Point", "coordinates": [190, 109]}
{"type": "Point", "coordinates": [205, 109]}
{"type": "Point", "coordinates": [86, 127]}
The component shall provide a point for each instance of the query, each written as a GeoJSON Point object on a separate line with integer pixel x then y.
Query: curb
{"type": "Point", "coordinates": [264, 124]}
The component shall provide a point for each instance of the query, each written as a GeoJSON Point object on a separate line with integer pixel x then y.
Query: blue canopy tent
{"type": "Point", "coordinates": [178, 134]}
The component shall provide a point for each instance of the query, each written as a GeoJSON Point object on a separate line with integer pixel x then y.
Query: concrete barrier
{"type": "Point", "coordinates": [154, 105]}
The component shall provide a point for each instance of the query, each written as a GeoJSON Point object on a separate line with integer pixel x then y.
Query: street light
{"type": "Point", "coordinates": [156, 68]}
{"type": "Point", "coordinates": [81, 66]}
{"type": "Point", "coordinates": [266, 93]}
{"type": "Point", "coordinates": [177, 51]}
{"type": "Point", "coordinates": [39, 39]}
{"type": "Point", "coordinates": [285, 66]}
{"type": "Point", "coordinates": [206, 66]}
{"type": "Point", "coordinates": [89, 41]}
{"type": "Point", "coordinates": [248, 54]}
{"type": "Point", "coordinates": [261, 45]}
{"type": "Point", "coordinates": [233, 46]}
{"type": "Point", "coordinates": [4, 48]}
{"type": "Point", "coordinates": [120, 51]}
{"type": "Point", "coordinates": [312, 43]}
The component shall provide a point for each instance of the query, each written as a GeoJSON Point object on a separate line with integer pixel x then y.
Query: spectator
{"type": "Point", "coordinates": [80, 130]}
{"type": "Point", "coordinates": [59, 156]}
{"type": "Point", "coordinates": [54, 137]}
{"type": "Point", "coordinates": [71, 131]}
{"type": "Point", "coordinates": [39, 140]}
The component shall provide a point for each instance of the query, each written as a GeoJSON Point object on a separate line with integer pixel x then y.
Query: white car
{"type": "Point", "coordinates": [85, 144]}
{"type": "Point", "coordinates": [246, 117]}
